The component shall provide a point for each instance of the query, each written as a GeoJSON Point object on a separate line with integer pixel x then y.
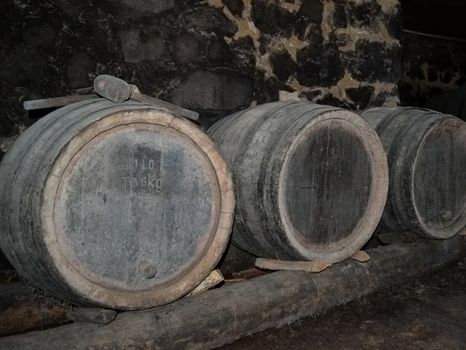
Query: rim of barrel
{"type": "Point", "coordinates": [454, 228]}
{"type": "Point", "coordinates": [368, 222]}
{"type": "Point", "coordinates": [219, 234]}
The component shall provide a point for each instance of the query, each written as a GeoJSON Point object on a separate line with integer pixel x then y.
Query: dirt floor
{"type": "Point", "coordinates": [428, 312]}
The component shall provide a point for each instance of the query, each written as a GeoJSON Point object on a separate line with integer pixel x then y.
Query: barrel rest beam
{"type": "Point", "coordinates": [221, 316]}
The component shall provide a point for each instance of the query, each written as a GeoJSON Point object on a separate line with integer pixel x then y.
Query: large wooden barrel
{"type": "Point", "coordinates": [310, 180]}
{"type": "Point", "coordinates": [116, 204]}
{"type": "Point", "coordinates": [426, 153]}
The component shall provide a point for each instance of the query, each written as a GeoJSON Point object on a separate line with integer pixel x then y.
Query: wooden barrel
{"type": "Point", "coordinates": [426, 153]}
{"type": "Point", "coordinates": [310, 180]}
{"type": "Point", "coordinates": [122, 205]}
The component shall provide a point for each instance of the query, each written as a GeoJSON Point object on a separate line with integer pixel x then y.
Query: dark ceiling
{"type": "Point", "coordinates": [437, 17]}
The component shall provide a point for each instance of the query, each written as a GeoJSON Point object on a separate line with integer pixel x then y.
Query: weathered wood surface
{"type": "Point", "coordinates": [91, 315]}
{"type": "Point", "coordinates": [214, 279]}
{"type": "Point", "coordinates": [22, 309]}
{"type": "Point", "coordinates": [55, 102]}
{"type": "Point", "coordinates": [426, 154]}
{"type": "Point", "coordinates": [122, 205]}
{"type": "Point", "coordinates": [283, 265]}
{"type": "Point", "coordinates": [183, 112]}
{"type": "Point", "coordinates": [245, 275]}
{"type": "Point", "coordinates": [361, 256]}
{"type": "Point", "coordinates": [223, 315]}
{"type": "Point", "coordinates": [310, 180]}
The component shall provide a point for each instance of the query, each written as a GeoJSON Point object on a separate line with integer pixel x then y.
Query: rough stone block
{"type": "Point", "coordinates": [225, 91]}
{"type": "Point", "coordinates": [77, 72]}
{"type": "Point", "coordinates": [138, 47]}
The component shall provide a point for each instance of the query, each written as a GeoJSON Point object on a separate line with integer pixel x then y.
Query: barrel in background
{"type": "Point", "coordinates": [426, 153]}
{"type": "Point", "coordinates": [310, 180]}
{"type": "Point", "coordinates": [122, 205]}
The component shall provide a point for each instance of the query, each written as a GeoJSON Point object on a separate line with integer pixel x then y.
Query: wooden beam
{"type": "Point", "coordinates": [22, 309]}
{"type": "Point", "coordinates": [221, 316]}
{"type": "Point", "coordinates": [282, 265]}
{"type": "Point", "coordinates": [187, 113]}
{"type": "Point", "coordinates": [55, 102]}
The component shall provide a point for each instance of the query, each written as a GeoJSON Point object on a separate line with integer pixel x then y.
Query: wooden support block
{"type": "Point", "coordinates": [214, 278]}
{"type": "Point", "coordinates": [222, 315]}
{"type": "Point", "coordinates": [55, 102]}
{"type": "Point", "coordinates": [361, 256]}
{"type": "Point", "coordinates": [282, 265]}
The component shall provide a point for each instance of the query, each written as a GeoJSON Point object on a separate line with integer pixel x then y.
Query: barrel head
{"type": "Point", "coordinates": [439, 179]}
{"type": "Point", "coordinates": [137, 209]}
{"type": "Point", "coordinates": [328, 183]}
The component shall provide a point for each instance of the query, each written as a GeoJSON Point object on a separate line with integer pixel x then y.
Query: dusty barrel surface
{"type": "Point", "coordinates": [116, 204]}
{"type": "Point", "coordinates": [310, 180]}
{"type": "Point", "coordinates": [426, 153]}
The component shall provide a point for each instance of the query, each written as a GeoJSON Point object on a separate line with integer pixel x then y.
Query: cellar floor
{"type": "Point", "coordinates": [428, 312]}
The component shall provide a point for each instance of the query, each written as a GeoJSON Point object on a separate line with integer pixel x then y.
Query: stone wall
{"type": "Point", "coordinates": [430, 66]}
{"type": "Point", "coordinates": [214, 56]}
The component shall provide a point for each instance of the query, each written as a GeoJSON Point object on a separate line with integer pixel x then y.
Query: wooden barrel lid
{"type": "Point", "coordinates": [137, 209]}
{"type": "Point", "coordinates": [333, 186]}
{"type": "Point", "coordinates": [439, 179]}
